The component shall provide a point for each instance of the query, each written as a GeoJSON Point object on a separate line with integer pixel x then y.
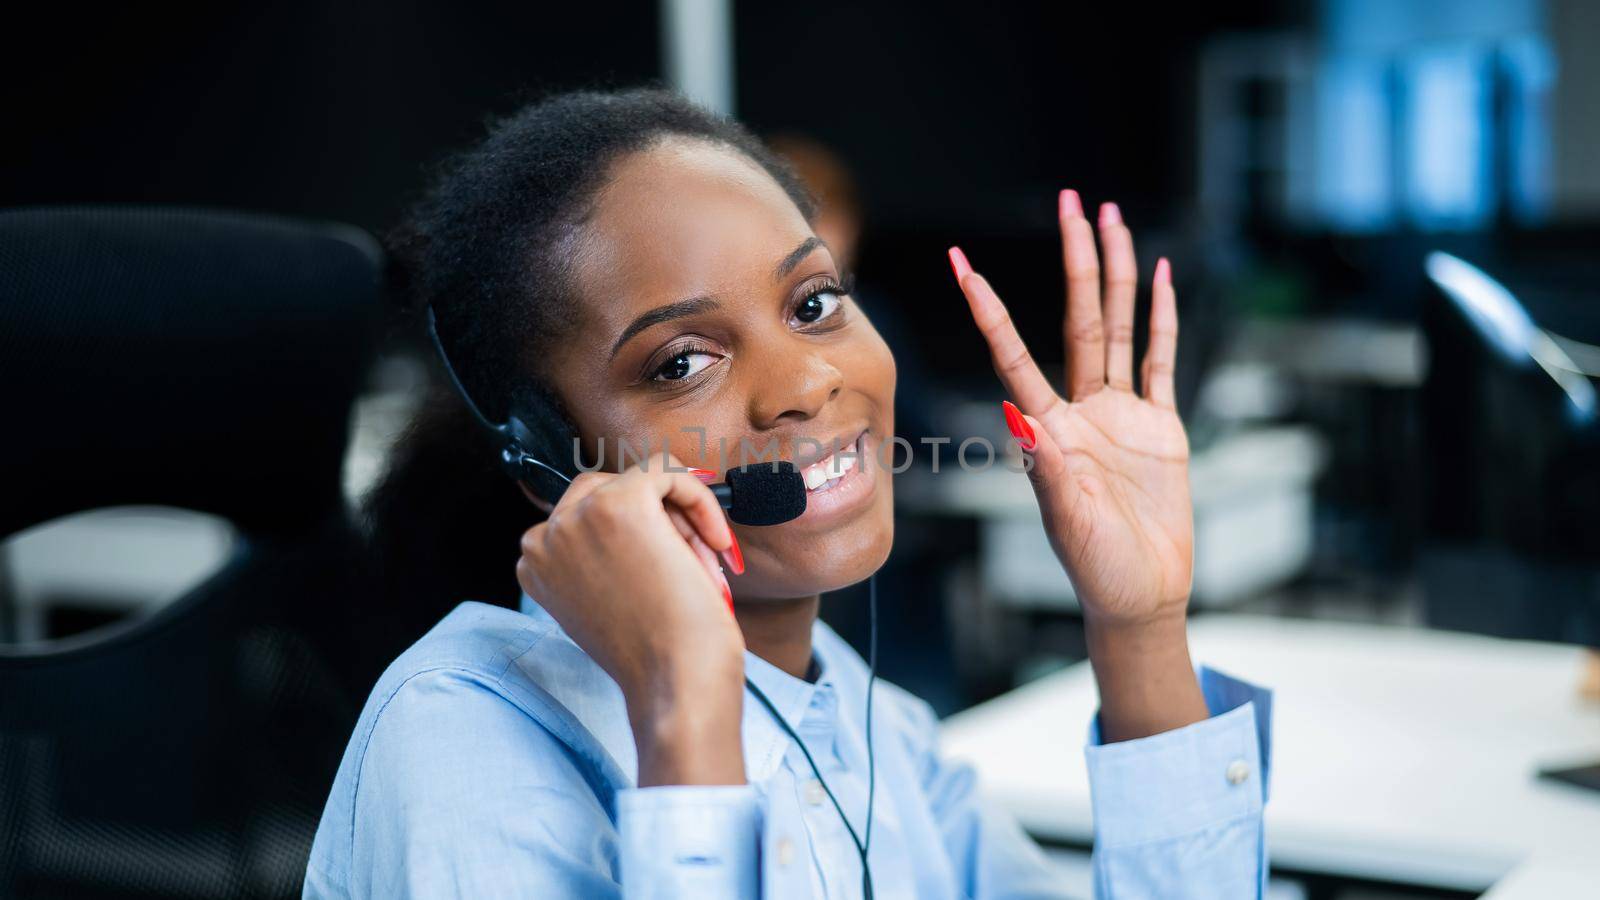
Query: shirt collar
{"type": "Point", "coordinates": [794, 698]}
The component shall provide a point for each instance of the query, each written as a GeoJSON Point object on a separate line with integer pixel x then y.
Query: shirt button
{"type": "Point", "coordinates": [785, 851]}
{"type": "Point", "coordinates": [1238, 771]}
{"type": "Point", "coordinates": [814, 792]}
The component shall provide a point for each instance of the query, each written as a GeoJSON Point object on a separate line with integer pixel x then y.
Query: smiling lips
{"type": "Point", "coordinates": [826, 473]}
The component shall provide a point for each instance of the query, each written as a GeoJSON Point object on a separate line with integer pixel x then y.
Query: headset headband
{"type": "Point", "coordinates": [514, 458]}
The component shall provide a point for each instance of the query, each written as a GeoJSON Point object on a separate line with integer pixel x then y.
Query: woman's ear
{"type": "Point", "coordinates": [543, 505]}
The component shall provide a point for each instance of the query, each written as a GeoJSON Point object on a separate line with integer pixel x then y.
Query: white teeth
{"type": "Point", "coordinates": [842, 462]}
{"type": "Point", "coordinates": [821, 475]}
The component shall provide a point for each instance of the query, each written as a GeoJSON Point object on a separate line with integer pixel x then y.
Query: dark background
{"type": "Point", "coordinates": [959, 124]}
{"type": "Point", "coordinates": [332, 109]}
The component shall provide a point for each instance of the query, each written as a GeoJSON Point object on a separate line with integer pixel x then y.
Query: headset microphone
{"type": "Point", "coordinates": [762, 493]}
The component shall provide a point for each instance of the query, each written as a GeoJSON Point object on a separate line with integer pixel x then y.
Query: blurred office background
{"type": "Point", "coordinates": [1383, 216]}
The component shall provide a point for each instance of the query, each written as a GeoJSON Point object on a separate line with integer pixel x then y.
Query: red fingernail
{"type": "Point", "coordinates": [1110, 215]}
{"type": "Point", "coordinates": [1069, 205]}
{"type": "Point", "coordinates": [1020, 429]}
{"type": "Point", "coordinates": [727, 593]}
{"type": "Point", "coordinates": [958, 263]}
{"type": "Point", "coordinates": [734, 555]}
{"type": "Point", "coordinates": [1163, 271]}
{"type": "Point", "coordinates": [706, 476]}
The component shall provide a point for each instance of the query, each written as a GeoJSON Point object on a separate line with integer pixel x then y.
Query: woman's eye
{"type": "Point", "coordinates": [683, 366]}
{"type": "Point", "coordinates": [818, 306]}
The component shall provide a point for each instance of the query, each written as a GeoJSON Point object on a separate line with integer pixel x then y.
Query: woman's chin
{"type": "Point", "coordinates": [816, 563]}
{"type": "Point", "coordinates": [857, 562]}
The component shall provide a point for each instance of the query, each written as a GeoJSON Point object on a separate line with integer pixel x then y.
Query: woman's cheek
{"type": "Point", "coordinates": [877, 374]}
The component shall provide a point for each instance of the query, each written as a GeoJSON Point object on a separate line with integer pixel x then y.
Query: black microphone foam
{"type": "Point", "coordinates": [763, 493]}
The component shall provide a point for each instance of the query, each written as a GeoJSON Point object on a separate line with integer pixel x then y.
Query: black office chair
{"type": "Point", "coordinates": [206, 361]}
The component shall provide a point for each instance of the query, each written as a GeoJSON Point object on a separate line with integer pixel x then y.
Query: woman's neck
{"type": "Point", "coordinates": [779, 631]}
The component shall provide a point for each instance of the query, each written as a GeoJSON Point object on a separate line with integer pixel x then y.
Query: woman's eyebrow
{"type": "Point", "coordinates": [787, 264]}
{"type": "Point", "coordinates": [677, 310]}
{"type": "Point", "coordinates": [696, 305]}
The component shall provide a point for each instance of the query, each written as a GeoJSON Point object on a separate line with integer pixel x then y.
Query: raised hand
{"type": "Point", "coordinates": [1110, 466]}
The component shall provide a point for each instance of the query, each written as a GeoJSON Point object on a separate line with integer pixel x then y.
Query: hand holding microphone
{"type": "Point", "coordinates": [616, 566]}
{"type": "Point", "coordinates": [627, 564]}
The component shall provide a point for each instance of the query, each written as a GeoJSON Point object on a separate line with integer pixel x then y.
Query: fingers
{"type": "Point", "coordinates": [707, 556]}
{"type": "Point", "coordinates": [532, 547]}
{"type": "Point", "coordinates": [585, 484]}
{"type": "Point", "coordinates": [1012, 361]}
{"type": "Point", "coordinates": [683, 489]}
{"type": "Point", "coordinates": [1098, 335]}
{"type": "Point", "coordinates": [1046, 465]}
{"type": "Point", "coordinates": [1161, 356]}
{"type": "Point", "coordinates": [615, 500]}
{"type": "Point", "coordinates": [1121, 283]}
{"type": "Point", "coordinates": [1082, 328]}
{"type": "Point", "coordinates": [690, 496]}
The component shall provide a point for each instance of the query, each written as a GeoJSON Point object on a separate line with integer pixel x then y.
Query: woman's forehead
{"type": "Point", "coordinates": [681, 219]}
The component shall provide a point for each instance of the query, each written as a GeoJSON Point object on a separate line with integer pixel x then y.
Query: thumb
{"type": "Point", "coordinates": [1046, 466]}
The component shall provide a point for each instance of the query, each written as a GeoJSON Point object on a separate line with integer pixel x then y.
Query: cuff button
{"type": "Point", "coordinates": [1238, 771]}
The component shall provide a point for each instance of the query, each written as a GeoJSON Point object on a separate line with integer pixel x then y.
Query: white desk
{"type": "Point", "coordinates": [1401, 755]}
{"type": "Point", "coordinates": [1252, 516]}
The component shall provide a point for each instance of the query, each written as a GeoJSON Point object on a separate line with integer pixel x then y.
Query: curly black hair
{"type": "Point", "coordinates": [488, 248]}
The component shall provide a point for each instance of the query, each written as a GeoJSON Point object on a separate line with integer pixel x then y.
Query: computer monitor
{"type": "Point", "coordinates": [1511, 494]}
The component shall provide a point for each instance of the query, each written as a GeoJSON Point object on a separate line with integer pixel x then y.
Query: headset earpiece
{"type": "Point", "coordinates": [513, 455]}
{"type": "Point", "coordinates": [519, 433]}
{"type": "Point", "coordinates": [517, 441]}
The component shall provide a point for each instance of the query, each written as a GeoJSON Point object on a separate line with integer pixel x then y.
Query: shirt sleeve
{"type": "Point", "coordinates": [1180, 813]}
{"type": "Point", "coordinates": [683, 841]}
{"type": "Point", "coordinates": [990, 856]}
{"type": "Point", "coordinates": [460, 795]}
{"type": "Point", "coordinates": [463, 796]}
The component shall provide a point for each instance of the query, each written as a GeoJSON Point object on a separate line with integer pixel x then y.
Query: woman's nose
{"type": "Point", "coordinates": [794, 390]}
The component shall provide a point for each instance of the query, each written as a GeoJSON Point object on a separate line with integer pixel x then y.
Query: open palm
{"type": "Point", "coordinates": [1110, 467]}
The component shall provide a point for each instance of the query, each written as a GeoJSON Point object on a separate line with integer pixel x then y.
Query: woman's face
{"type": "Point", "coordinates": [711, 316]}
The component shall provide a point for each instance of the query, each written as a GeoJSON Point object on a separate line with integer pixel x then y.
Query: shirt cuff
{"type": "Point", "coordinates": [688, 841]}
{"type": "Point", "coordinates": [1177, 782]}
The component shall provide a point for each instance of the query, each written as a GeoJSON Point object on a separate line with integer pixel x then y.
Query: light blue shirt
{"type": "Point", "coordinates": [495, 759]}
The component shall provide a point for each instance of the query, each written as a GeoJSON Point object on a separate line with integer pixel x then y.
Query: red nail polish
{"type": "Point", "coordinates": [1020, 429]}
{"type": "Point", "coordinates": [1069, 204]}
{"type": "Point", "coordinates": [727, 594]}
{"type": "Point", "coordinates": [1110, 215]}
{"type": "Point", "coordinates": [959, 264]}
{"type": "Point", "coordinates": [1163, 271]}
{"type": "Point", "coordinates": [706, 476]}
{"type": "Point", "coordinates": [734, 555]}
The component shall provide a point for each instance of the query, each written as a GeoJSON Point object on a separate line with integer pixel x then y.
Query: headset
{"type": "Point", "coordinates": [515, 437]}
